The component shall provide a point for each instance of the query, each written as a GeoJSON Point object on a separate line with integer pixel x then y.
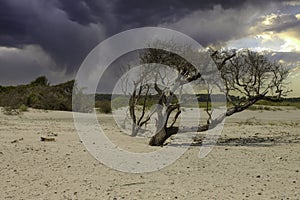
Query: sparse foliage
{"type": "Point", "coordinates": [104, 106]}
{"type": "Point", "coordinates": [248, 77]}
{"type": "Point", "coordinates": [23, 108]}
{"type": "Point", "coordinates": [7, 110]}
{"type": "Point", "coordinates": [42, 80]}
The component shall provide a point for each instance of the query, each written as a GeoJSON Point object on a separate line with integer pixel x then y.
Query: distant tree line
{"type": "Point", "coordinates": [39, 94]}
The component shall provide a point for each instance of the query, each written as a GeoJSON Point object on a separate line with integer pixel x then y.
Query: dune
{"type": "Point", "coordinates": [256, 157]}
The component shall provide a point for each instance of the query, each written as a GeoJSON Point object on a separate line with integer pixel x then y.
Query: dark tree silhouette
{"type": "Point", "coordinates": [247, 77]}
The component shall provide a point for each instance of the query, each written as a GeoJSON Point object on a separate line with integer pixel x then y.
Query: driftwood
{"type": "Point", "coordinates": [47, 139]}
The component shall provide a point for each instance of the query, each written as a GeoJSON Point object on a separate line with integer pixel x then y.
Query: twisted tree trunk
{"type": "Point", "coordinates": [162, 135]}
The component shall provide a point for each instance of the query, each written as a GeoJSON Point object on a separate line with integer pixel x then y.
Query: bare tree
{"type": "Point", "coordinates": [247, 77]}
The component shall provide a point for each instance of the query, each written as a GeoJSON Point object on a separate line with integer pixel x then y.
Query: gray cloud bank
{"type": "Point", "coordinates": [53, 37]}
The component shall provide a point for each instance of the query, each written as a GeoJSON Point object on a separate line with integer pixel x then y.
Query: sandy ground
{"type": "Point", "coordinates": [257, 157]}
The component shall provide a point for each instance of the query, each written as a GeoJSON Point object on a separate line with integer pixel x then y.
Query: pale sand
{"type": "Point", "coordinates": [32, 169]}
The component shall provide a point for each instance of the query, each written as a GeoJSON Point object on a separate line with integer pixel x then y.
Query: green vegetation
{"type": "Point", "coordinates": [294, 102]}
{"type": "Point", "coordinates": [266, 108]}
{"type": "Point", "coordinates": [42, 81]}
{"type": "Point", "coordinates": [38, 94]}
{"type": "Point", "coordinates": [121, 101]}
{"type": "Point", "coordinates": [10, 111]}
{"type": "Point", "coordinates": [23, 108]}
{"type": "Point", "coordinates": [104, 106]}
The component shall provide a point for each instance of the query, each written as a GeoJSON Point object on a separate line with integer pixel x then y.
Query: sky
{"type": "Point", "coordinates": [52, 37]}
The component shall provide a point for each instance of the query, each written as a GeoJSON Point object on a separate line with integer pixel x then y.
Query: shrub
{"type": "Point", "coordinates": [23, 108]}
{"type": "Point", "coordinates": [104, 106]}
{"type": "Point", "coordinates": [262, 108]}
{"type": "Point", "coordinates": [7, 110]}
{"type": "Point", "coordinates": [42, 80]}
{"type": "Point", "coordinates": [119, 102]}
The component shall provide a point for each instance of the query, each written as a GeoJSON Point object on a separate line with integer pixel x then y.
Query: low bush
{"type": "Point", "coordinates": [23, 108]}
{"type": "Point", "coordinates": [7, 110]}
{"type": "Point", "coordinates": [104, 106]}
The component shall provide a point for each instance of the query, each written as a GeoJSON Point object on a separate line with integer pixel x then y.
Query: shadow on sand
{"type": "Point", "coordinates": [252, 141]}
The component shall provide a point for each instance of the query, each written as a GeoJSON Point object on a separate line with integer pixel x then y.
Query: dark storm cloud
{"type": "Point", "coordinates": [286, 26]}
{"type": "Point", "coordinates": [286, 23]}
{"type": "Point", "coordinates": [218, 25]}
{"type": "Point", "coordinates": [21, 66]}
{"type": "Point", "coordinates": [136, 13]}
{"type": "Point", "coordinates": [290, 57]}
{"type": "Point", "coordinates": [13, 29]}
{"type": "Point", "coordinates": [43, 23]}
{"type": "Point", "coordinates": [80, 11]}
{"type": "Point", "coordinates": [67, 30]}
{"type": "Point", "coordinates": [88, 11]}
